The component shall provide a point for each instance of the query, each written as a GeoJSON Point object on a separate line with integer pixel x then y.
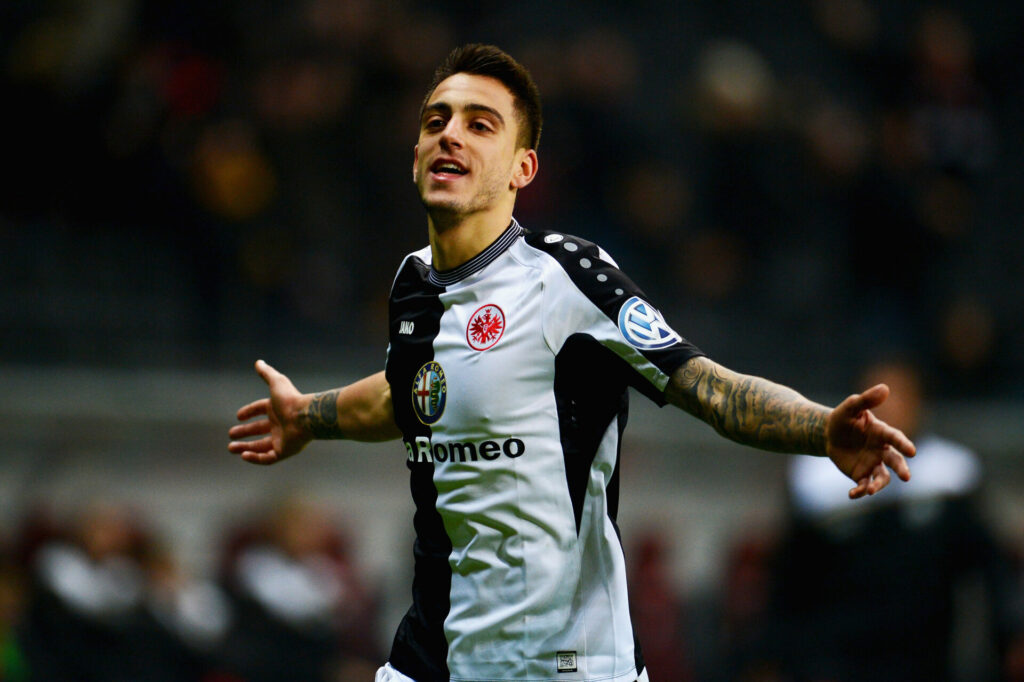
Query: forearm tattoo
{"type": "Point", "coordinates": [751, 410]}
{"type": "Point", "coordinates": [320, 417]}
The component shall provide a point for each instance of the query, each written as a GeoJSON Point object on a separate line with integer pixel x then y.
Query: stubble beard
{"type": "Point", "coordinates": [450, 210]}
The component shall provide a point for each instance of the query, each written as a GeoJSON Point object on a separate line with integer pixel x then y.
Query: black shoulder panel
{"type": "Point", "coordinates": [608, 288]}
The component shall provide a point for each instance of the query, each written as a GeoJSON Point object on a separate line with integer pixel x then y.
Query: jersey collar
{"type": "Point", "coordinates": [479, 261]}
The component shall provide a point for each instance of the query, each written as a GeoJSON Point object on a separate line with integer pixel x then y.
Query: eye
{"type": "Point", "coordinates": [433, 123]}
{"type": "Point", "coordinates": [480, 126]}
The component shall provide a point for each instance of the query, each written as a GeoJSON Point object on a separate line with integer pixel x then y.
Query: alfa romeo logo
{"type": "Point", "coordinates": [485, 327]}
{"type": "Point", "coordinates": [429, 393]}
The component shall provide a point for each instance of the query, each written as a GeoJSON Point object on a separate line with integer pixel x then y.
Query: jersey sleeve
{"type": "Point", "coordinates": [588, 294]}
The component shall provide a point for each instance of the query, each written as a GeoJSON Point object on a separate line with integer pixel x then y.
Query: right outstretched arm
{"type": "Point", "coordinates": [289, 420]}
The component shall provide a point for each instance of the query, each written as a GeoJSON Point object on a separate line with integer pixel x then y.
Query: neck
{"type": "Point", "coordinates": [455, 241]}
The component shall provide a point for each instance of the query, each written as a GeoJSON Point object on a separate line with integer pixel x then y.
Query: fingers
{"type": "Point", "coordinates": [897, 462]}
{"type": "Point", "coordinates": [858, 402]}
{"type": "Point", "coordinates": [879, 479]}
{"type": "Point", "coordinates": [240, 447]}
{"type": "Point", "coordinates": [262, 458]}
{"type": "Point", "coordinates": [880, 476]}
{"type": "Point", "coordinates": [256, 428]}
{"type": "Point", "coordinates": [860, 490]}
{"type": "Point", "coordinates": [261, 450]}
{"type": "Point", "coordinates": [869, 485]}
{"type": "Point", "coordinates": [896, 439]}
{"type": "Point", "coordinates": [253, 409]}
{"type": "Point", "coordinates": [255, 451]}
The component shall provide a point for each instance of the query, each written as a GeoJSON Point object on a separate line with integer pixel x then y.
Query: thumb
{"type": "Point", "coordinates": [268, 373]}
{"type": "Point", "coordinates": [869, 399]}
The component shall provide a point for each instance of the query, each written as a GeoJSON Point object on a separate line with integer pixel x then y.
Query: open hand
{"type": "Point", "coordinates": [277, 423]}
{"type": "Point", "coordinates": [864, 447]}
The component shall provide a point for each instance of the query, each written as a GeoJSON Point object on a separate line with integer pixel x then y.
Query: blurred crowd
{"type": "Point", "coordinates": [96, 598]}
{"type": "Point", "coordinates": [912, 585]}
{"type": "Point", "coordinates": [191, 181]}
{"type": "Point", "coordinates": [95, 595]}
{"type": "Point", "coordinates": [799, 185]}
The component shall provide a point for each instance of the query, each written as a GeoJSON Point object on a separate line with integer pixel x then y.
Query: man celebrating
{"type": "Point", "coordinates": [509, 360]}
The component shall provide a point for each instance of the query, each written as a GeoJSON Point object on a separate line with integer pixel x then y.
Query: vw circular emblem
{"type": "Point", "coordinates": [429, 393]}
{"type": "Point", "coordinates": [643, 326]}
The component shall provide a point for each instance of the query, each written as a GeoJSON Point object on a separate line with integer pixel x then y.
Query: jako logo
{"type": "Point", "coordinates": [643, 326]}
{"type": "Point", "coordinates": [423, 450]}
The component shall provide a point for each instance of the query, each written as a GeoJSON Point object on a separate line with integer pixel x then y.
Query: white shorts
{"type": "Point", "coordinates": [388, 674]}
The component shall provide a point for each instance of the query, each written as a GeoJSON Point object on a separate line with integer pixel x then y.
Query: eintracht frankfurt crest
{"type": "Point", "coordinates": [429, 393]}
{"type": "Point", "coordinates": [485, 327]}
{"type": "Point", "coordinates": [643, 326]}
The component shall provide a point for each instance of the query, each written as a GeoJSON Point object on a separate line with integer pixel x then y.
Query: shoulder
{"type": "Point", "coordinates": [569, 250]}
{"type": "Point", "coordinates": [419, 260]}
{"type": "Point", "coordinates": [413, 270]}
{"type": "Point", "coordinates": [418, 257]}
{"type": "Point", "coordinates": [586, 265]}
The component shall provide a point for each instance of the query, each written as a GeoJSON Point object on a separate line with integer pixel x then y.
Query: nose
{"type": "Point", "coordinates": [451, 137]}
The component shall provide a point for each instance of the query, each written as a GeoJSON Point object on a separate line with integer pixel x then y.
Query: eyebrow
{"type": "Point", "coordinates": [446, 109]}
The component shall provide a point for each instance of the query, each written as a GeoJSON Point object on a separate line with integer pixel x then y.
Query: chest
{"type": "Point", "coordinates": [487, 361]}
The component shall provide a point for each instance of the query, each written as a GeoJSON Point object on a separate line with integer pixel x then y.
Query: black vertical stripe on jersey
{"type": "Point", "coordinates": [613, 512]}
{"type": "Point", "coordinates": [590, 391]}
{"type": "Point", "coordinates": [420, 649]}
{"type": "Point", "coordinates": [604, 296]}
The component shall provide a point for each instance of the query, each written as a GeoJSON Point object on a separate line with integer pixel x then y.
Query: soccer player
{"type": "Point", "coordinates": [508, 364]}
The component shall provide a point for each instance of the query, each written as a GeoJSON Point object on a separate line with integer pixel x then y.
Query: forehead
{"type": "Point", "coordinates": [465, 88]}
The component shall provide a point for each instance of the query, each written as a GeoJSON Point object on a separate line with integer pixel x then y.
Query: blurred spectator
{"type": "Point", "coordinates": [968, 341]}
{"type": "Point", "coordinates": [746, 593]}
{"type": "Point", "coordinates": [93, 612]}
{"type": "Point", "coordinates": [851, 24]}
{"type": "Point", "coordinates": [943, 602]}
{"type": "Point", "coordinates": [937, 146]}
{"type": "Point", "coordinates": [302, 609]}
{"type": "Point", "coordinates": [734, 102]}
{"type": "Point", "coordinates": [948, 103]}
{"type": "Point", "coordinates": [159, 142]}
{"type": "Point", "coordinates": [231, 176]}
{"type": "Point", "coordinates": [13, 664]}
{"type": "Point", "coordinates": [657, 610]}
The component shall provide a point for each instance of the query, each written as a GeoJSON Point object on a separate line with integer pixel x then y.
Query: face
{"type": "Point", "coordinates": [467, 160]}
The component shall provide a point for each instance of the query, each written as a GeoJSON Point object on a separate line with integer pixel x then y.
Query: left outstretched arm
{"type": "Point", "coordinates": [760, 413]}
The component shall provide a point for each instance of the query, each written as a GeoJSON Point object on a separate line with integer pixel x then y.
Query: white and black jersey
{"type": "Point", "coordinates": [509, 379]}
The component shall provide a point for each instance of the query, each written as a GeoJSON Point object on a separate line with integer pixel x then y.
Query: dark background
{"type": "Point", "coordinates": [799, 186]}
{"type": "Point", "coordinates": [802, 187]}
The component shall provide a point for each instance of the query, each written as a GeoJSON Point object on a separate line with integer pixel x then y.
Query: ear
{"type": "Point", "coordinates": [415, 160]}
{"type": "Point", "coordinates": [525, 170]}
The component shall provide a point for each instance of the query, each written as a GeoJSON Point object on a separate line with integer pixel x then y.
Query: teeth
{"type": "Point", "coordinates": [449, 168]}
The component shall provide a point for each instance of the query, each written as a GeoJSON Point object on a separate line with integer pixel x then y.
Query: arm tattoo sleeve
{"type": "Point", "coordinates": [750, 410]}
{"type": "Point", "coordinates": [320, 417]}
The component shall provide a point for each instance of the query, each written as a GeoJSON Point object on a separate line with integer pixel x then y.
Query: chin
{"type": "Point", "coordinates": [442, 205]}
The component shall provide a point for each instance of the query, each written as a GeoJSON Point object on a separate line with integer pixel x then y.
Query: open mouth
{"type": "Point", "coordinates": [447, 168]}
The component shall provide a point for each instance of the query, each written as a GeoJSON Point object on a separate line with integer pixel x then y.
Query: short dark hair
{"type": "Point", "coordinates": [487, 60]}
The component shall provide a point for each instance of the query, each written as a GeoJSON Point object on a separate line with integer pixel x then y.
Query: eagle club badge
{"type": "Point", "coordinates": [429, 393]}
{"type": "Point", "coordinates": [485, 327]}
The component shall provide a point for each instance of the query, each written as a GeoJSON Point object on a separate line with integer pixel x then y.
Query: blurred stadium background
{"type": "Point", "coordinates": [802, 187]}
